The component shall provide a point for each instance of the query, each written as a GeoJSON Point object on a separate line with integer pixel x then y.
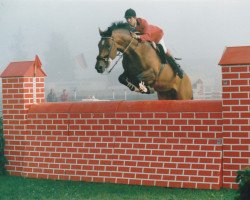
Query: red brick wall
{"type": "Point", "coordinates": [162, 143]}
{"type": "Point", "coordinates": [236, 120]}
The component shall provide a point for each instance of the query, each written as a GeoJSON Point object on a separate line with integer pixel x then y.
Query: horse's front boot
{"type": "Point", "coordinates": [145, 89]}
{"type": "Point", "coordinates": [123, 79]}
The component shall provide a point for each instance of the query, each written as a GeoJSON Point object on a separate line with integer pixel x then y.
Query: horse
{"type": "Point", "coordinates": [141, 63]}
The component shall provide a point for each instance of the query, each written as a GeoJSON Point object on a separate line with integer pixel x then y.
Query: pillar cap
{"type": "Point", "coordinates": [24, 69]}
{"type": "Point", "coordinates": [238, 55]}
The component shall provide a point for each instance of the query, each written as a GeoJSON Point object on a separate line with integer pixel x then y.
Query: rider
{"type": "Point", "coordinates": [150, 33]}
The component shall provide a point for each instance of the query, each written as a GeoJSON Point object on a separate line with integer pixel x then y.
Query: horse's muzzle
{"type": "Point", "coordinates": [100, 67]}
{"type": "Point", "coordinates": [102, 64]}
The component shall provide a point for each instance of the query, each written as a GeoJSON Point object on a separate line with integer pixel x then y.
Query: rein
{"type": "Point", "coordinates": [128, 45]}
{"type": "Point", "coordinates": [120, 54]}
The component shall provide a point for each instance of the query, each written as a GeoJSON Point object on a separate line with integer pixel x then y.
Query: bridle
{"type": "Point", "coordinates": [120, 54]}
{"type": "Point", "coordinates": [106, 58]}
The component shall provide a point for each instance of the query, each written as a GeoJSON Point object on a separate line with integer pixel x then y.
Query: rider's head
{"type": "Point", "coordinates": [130, 13]}
{"type": "Point", "coordinates": [130, 16]}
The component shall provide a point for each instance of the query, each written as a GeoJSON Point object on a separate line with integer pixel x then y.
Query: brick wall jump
{"type": "Point", "coordinates": [161, 143]}
{"type": "Point", "coordinates": [187, 144]}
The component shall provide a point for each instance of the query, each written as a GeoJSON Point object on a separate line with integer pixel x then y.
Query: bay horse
{"type": "Point", "coordinates": [141, 63]}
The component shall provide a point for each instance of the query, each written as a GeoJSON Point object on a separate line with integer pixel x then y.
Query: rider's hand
{"type": "Point", "coordinates": [135, 36]}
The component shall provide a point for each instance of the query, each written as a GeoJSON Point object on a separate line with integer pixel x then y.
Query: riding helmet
{"type": "Point", "coordinates": [130, 13]}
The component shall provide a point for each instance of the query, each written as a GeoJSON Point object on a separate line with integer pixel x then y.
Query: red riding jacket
{"type": "Point", "coordinates": [148, 32]}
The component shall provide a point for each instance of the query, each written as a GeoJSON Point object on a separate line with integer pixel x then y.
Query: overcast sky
{"type": "Point", "coordinates": [195, 30]}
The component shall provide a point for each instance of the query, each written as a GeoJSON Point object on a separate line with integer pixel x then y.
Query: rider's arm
{"type": "Point", "coordinates": [144, 29]}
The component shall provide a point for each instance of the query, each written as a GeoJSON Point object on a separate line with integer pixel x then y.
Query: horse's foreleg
{"type": "Point", "coordinates": [145, 89]}
{"type": "Point", "coordinates": [136, 87]}
{"type": "Point", "coordinates": [146, 79]}
{"type": "Point", "coordinates": [123, 79]}
{"type": "Point", "coordinates": [147, 76]}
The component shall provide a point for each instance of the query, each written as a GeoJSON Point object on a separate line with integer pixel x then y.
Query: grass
{"type": "Point", "coordinates": [12, 188]}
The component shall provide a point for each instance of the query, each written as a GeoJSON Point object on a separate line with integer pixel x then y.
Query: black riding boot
{"type": "Point", "coordinates": [175, 66]}
{"type": "Point", "coordinates": [167, 58]}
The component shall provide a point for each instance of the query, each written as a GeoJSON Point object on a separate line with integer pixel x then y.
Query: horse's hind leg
{"type": "Point", "coordinates": [167, 95]}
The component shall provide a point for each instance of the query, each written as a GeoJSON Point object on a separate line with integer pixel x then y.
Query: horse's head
{"type": "Point", "coordinates": [107, 51]}
{"type": "Point", "coordinates": [116, 38]}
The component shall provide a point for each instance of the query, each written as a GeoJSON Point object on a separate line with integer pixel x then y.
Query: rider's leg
{"type": "Point", "coordinates": [163, 44]}
{"type": "Point", "coordinates": [176, 67]}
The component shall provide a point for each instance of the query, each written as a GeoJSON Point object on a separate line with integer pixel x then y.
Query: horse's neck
{"type": "Point", "coordinates": [135, 51]}
{"type": "Point", "coordinates": [122, 40]}
{"type": "Point", "coordinates": [125, 43]}
{"type": "Point", "coordinates": [141, 50]}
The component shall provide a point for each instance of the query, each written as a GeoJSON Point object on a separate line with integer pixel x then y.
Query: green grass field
{"type": "Point", "coordinates": [12, 188]}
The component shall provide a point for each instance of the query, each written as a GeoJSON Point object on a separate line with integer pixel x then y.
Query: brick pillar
{"type": "Point", "coordinates": [235, 112]}
{"type": "Point", "coordinates": [17, 95]}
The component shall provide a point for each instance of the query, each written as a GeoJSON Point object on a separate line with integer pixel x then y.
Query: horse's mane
{"type": "Point", "coordinates": [115, 26]}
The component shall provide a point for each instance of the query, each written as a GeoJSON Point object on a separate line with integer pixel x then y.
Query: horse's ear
{"type": "Point", "coordinates": [101, 32]}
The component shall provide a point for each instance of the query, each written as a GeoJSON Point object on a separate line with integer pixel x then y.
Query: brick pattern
{"type": "Point", "coordinates": [161, 143]}
{"type": "Point", "coordinates": [17, 96]}
{"type": "Point", "coordinates": [175, 149]}
{"type": "Point", "coordinates": [236, 121]}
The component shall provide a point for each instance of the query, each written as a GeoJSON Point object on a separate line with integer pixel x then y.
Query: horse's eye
{"type": "Point", "coordinates": [108, 47]}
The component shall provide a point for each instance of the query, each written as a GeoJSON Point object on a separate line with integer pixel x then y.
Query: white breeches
{"type": "Point", "coordinates": [163, 44]}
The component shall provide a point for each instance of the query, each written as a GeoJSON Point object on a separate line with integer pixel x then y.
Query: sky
{"type": "Point", "coordinates": [198, 31]}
